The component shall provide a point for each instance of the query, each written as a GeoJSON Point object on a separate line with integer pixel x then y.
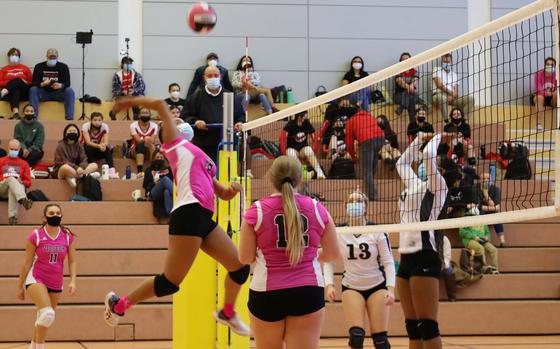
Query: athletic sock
{"type": "Point", "coordinates": [228, 310]}
{"type": "Point", "coordinates": [122, 305]}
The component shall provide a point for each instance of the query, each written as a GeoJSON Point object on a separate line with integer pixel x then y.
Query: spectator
{"type": "Point", "coordinates": [363, 128]}
{"type": "Point", "coordinates": [158, 184]}
{"type": "Point", "coordinates": [95, 135]}
{"type": "Point", "coordinates": [51, 82]}
{"type": "Point", "coordinates": [390, 152]}
{"type": "Point", "coordinates": [70, 157]}
{"type": "Point", "coordinates": [490, 197]}
{"type": "Point", "coordinates": [174, 100]}
{"type": "Point", "coordinates": [144, 135]}
{"type": "Point", "coordinates": [294, 141]}
{"type": "Point", "coordinates": [361, 98]}
{"type": "Point", "coordinates": [199, 79]}
{"type": "Point", "coordinates": [477, 238]}
{"type": "Point", "coordinates": [31, 135]}
{"type": "Point", "coordinates": [205, 107]}
{"type": "Point", "coordinates": [175, 112]}
{"type": "Point", "coordinates": [15, 79]}
{"type": "Point", "coordinates": [245, 78]}
{"type": "Point", "coordinates": [128, 82]}
{"type": "Point", "coordinates": [458, 124]}
{"type": "Point", "coordinates": [545, 84]}
{"type": "Point", "coordinates": [447, 274]}
{"type": "Point", "coordinates": [15, 178]}
{"type": "Point", "coordinates": [406, 89]}
{"type": "Point", "coordinates": [419, 125]}
{"type": "Point", "coordinates": [337, 143]}
{"type": "Point", "coordinates": [446, 87]}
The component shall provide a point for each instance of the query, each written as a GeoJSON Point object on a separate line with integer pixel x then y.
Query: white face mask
{"type": "Point", "coordinates": [14, 59]}
{"type": "Point", "coordinates": [213, 63]}
{"type": "Point", "coordinates": [175, 94]}
{"type": "Point", "coordinates": [357, 66]}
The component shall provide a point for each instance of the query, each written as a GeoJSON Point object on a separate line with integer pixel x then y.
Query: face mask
{"type": "Point", "coordinates": [456, 121]}
{"type": "Point", "coordinates": [54, 221]}
{"type": "Point", "coordinates": [348, 111]}
{"type": "Point", "coordinates": [13, 153]}
{"type": "Point", "coordinates": [213, 83]}
{"type": "Point", "coordinates": [96, 127]}
{"type": "Point", "coordinates": [72, 136]}
{"type": "Point", "coordinates": [355, 209]}
{"type": "Point", "coordinates": [420, 119]}
{"type": "Point", "coordinates": [339, 129]}
{"type": "Point", "coordinates": [213, 63]}
{"type": "Point", "coordinates": [422, 174]}
{"type": "Point", "coordinates": [51, 62]}
{"type": "Point", "coordinates": [29, 117]}
{"type": "Point", "coordinates": [14, 59]}
{"type": "Point", "coordinates": [549, 69]}
{"type": "Point", "coordinates": [357, 66]}
{"type": "Point", "coordinates": [186, 131]}
{"type": "Point", "coordinates": [158, 164]}
{"type": "Point", "coordinates": [175, 94]}
{"type": "Point", "coordinates": [446, 66]}
{"type": "Point", "coordinates": [128, 67]}
{"type": "Point", "coordinates": [145, 118]}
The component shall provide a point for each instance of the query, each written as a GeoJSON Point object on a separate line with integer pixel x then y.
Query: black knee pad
{"type": "Point", "coordinates": [428, 328]}
{"type": "Point", "coordinates": [240, 275]}
{"type": "Point", "coordinates": [412, 329]}
{"type": "Point", "coordinates": [380, 340]}
{"type": "Point", "coordinates": [140, 148]}
{"type": "Point", "coordinates": [357, 336]}
{"type": "Point", "coordinates": [164, 287]}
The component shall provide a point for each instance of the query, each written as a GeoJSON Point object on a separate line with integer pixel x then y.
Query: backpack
{"type": "Point", "coordinates": [266, 148]}
{"type": "Point", "coordinates": [37, 195]}
{"type": "Point", "coordinates": [518, 156]}
{"type": "Point", "coordinates": [91, 188]}
{"type": "Point", "coordinates": [342, 169]}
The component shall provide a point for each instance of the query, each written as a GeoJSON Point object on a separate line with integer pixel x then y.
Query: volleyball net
{"type": "Point", "coordinates": [489, 96]}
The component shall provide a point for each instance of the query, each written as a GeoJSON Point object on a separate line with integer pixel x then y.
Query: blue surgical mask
{"type": "Point", "coordinates": [128, 67]}
{"type": "Point", "coordinates": [13, 153]}
{"type": "Point", "coordinates": [446, 66]}
{"type": "Point", "coordinates": [549, 69]}
{"type": "Point", "coordinates": [213, 83]}
{"type": "Point", "coordinates": [422, 174]}
{"type": "Point", "coordinates": [355, 209]}
{"type": "Point", "coordinates": [186, 131]}
{"type": "Point", "coordinates": [14, 59]}
{"type": "Point", "coordinates": [52, 62]}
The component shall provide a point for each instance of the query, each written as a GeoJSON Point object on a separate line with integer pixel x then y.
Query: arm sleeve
{"type": "Point", "coordinates": [404, 164]}
{"type": "Point", "coordinates": [349, 140]}
{"type": "Point", "coordinates": [19, 136]}
{"type": "Point", "coordinates": [65, 75]}
{"type": "Point", "coordinates": [39, 139]}
{"type": "Point", "coordinates": [28, 75]}
{"type": "Point", "coordinates": [256, 79]}
{"type": "Point", "coordinates": [238, 114]}
{"type": "Point", "coordinates": [226, 82]}
{"type": "Point", "coordinates": [32, 238]}
{"type": "Point", "coordinates": [328, 273]}
{"type": "Point", "coordinates": [436, 183]}
{"type": "Point", "coordinates": [190, 111]}
{"type": "Point", "coordinates": [197, 79]}
{"type": "Point", "coordinates": [387, 260]}
{"type": "Point", "coordinates": [323, 213]}
{"type": "Point", "coordinates": [83, 158]}
{"type": "Point", "coordinates": [26, 175]}
{"type": "Point", "coordinates": [236, 80]}
{"type": "Point", "coordinates": [140, 85]}
{"type": "Point", "coordinates": [251, 215]}
{"type": "Point", "coordinates": [37, 75]}
{"type": "Point", "coordinates": [3, 80]}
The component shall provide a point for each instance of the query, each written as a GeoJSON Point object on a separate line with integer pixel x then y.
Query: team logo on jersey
{"type": "Point", "coordinates": [300, 137]}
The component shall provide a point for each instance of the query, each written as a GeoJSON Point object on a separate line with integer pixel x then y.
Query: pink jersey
{"type": "Point", "coordinates": [193, 173]}
{"type": "Point", "coordinates": [48, 266]}
{"type": "Point", "coordinates": [544, 84]}
{"type": "Point", "coordinates": [272, 269]}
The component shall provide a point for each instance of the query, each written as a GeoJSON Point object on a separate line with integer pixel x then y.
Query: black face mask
{"type": "Point", "coordinates": [456, 121]}
{"type": "Point", "coordinates": [381, 125]}
{"type": "Point", "coordinates": [145, 118]}
{"type": "Point", "coordinates": [29, 117]}
{"type": "Point", "coordinates": [347, 111]}
{"type": "Point", "coordinates": [158, 164]}
{"type": "Point", "coordinates": [95, 127]}
{"type": "Point", "coordinates": [420, 120]}
{"type": "Point", "coordinates": [72, 137]}
{"type": "Point", "coordinates": [54, 221]}
{"type": "Point", "coordinates": [339, 129]}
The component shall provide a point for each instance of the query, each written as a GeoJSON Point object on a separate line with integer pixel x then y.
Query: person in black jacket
{"type": "Point", "coordinates": [205, 107]}
{"type": "Point", "coordinates": [158, 184]}
{"type": "Point", "coordinates": [199, 79]}
{"type": "Point", "coordinates": [51, 82]}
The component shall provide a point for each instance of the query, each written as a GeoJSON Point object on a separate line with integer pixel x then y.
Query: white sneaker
{"type": "Point", "coordinates": [95, 175]}
{"type": "Point", "coordinates": [249, 174]}
{"type": "Point", "coordinates": [71, 182]}
{"type": "Point", "coordinates": [234, 323]}
{"type": "Point", "coordinates": [32, 174]}
{"type": "Point", "coordinates": [111, 318]}
{"type": "Point", "coordinates": [320, 174]}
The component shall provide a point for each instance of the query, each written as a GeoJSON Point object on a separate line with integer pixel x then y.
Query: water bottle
{"type": "Point", "coordinates": [483, 151]}
{"type": "Point", "coordinates": [281, 98]}
{"type": "Point", "coordinates": [128, 172]}
{"type": "Point", "coordinates": [492, 171]}
{"type": "Point", "coordinates": [105, 172]}
{"type": "Point", "coordinates": [289, 96]}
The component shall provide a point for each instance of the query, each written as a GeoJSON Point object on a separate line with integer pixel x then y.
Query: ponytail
{"type": "Point", "coordinates": [293, 224]}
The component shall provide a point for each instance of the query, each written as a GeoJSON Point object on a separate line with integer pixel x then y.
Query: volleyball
{"type": "Point", "coordinates": [202, 18]}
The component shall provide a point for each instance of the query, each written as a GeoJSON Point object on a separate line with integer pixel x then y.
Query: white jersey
{"type": "Point", "coordinates": [368, 261]}
{"type": "Point", "coordinates": [421, 200]}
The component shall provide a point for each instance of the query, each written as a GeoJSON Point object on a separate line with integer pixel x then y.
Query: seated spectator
{"type": "Point", "coordinates": [477, 238]}
{"type": "Point", "coordinates": [158, 184]}
{"type": "Point", "coordinates": [406, 90]}
{"type": "Point", "coordinates": [95, 135]}
{"type": "Point", "coordinates": [144, 135]}
{"type": "Point", "coordinates": [446, 87]}
{"type": "Point", "coordinates": [419, 125]}
{"type": "Point", "coordinates": [31, 135]}
{"type": "Point", "coordinates": [337, 110]}
{"type": "Point", "coordinates": [447, 273]}
{"type": "Point", "coordinates": [128, 82]}
{"type": "Point", "coordinates": [545, 89]}
{"type": "Point", "coordinates": [363, 129]}
{"type": "Point", "coordinates": [337, 146]}
{"type": "Point", "coordinates": [361, 98]}
{"type": "Point", "coordinates": [294, 141]}
{"type": "Point", "coordinates": [15, 177]}
{"type": "Point", "coordinates": [456, 150]}
{"type": "Point", "coordinates": [175, 111]}
{"type": "Point", "coordinates": [70, 157]}
{"type": "Point", "coordinates": [199, 78]}
{"type": "Point", "coordinates": [174, 100]}
{"type": "Point", "coordinates": [490, 197]}
{"type": "Point", "coordinates": [51, 82]}
{"type": "Point", "coordinates": [205, 107]}
{"type": "Point", "coordinates": [15, 79]}
{"type": "Point", "coordinates": [390, 152]}
{"type": "Point", "coordinates": [245, 78]}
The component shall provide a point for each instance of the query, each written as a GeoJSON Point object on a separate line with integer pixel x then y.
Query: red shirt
{"type": "Point", "coordinates": [409, 73]}
{"type": "Point", "coordinates": [361, 127]}
{"type": "Point", "coordinates": [17, 168]}
{"type": "Point", "coordinates": [127, 82]}
{"type": "Point", "coordinates": [10, 72]}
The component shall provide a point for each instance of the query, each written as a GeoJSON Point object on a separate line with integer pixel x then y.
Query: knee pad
{"type": "Point", "coordinates": [412, 329]}
{"type": "Point", "coordinates": [356, 338]}
{"type": "Point", "coordinates": [308, 152]}
{"type": "Point", "coordinates": [45, 317]}
{"type": "Point", "coordinates": [380, 340]}
{"type": "Point", "coordinates": [240, 275]}
{"type": "Point", "coordinates": [428, 328]}
{"type": "Point", "coordinates": [164, 287]}
{"type": "Point", "coordinates": [140, 148]}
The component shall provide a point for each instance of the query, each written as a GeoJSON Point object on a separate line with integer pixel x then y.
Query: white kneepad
{"type": "Point", "coordinates": [45, 317]}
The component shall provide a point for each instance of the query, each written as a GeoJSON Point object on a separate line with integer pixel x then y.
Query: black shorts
{"type": "Point", "coordinates": [367, 293]}
{"type": "Point", "coordinates": [49, 290]}
{"type": "Point", "coordinates": [278, 304]}
{"type": "Point", "coordinates": [191, 220]}
{"type": "Point", "coordinates": [422, 263]}
{"type": "Point", "coordinates": [548, 101]}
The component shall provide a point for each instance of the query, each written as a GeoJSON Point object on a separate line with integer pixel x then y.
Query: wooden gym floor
{"type": "Point", "coordinates": [485, 342]}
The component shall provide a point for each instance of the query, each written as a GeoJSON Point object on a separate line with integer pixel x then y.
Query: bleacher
{"type": "Point", "coordinates": [119, 243]}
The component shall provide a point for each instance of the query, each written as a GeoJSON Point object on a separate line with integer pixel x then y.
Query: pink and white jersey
{"type": "Point", "coordinates": [193, 173]}
{"type": "Point", "coordinates": [48, 266]}
{"type": "Point", "coordinates": [150, 131]}
{"type": "Point", "coordinates": [272, 269]}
